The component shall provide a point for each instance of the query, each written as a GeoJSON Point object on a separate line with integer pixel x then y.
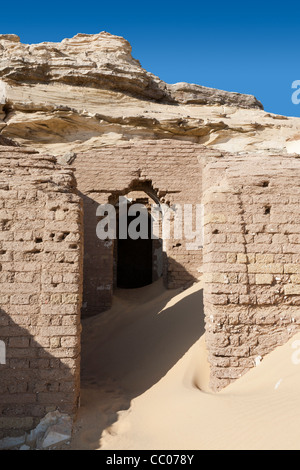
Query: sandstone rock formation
{"type": "Point", "coordinates": [117, 129]}
{"type": "Point", "coordinates": [88, 91]}
{"type": "Point", "coordinates": [101, 61]}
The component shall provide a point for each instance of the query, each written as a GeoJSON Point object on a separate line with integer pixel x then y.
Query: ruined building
{"type": "Point", "coordinates": [81, 124]}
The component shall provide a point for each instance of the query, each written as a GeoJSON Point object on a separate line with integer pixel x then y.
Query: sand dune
{"type": "Point", "coordinates": [145, 382]}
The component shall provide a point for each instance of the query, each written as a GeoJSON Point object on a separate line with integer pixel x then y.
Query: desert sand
{"type": "Point", "coordinates": [145, 382]}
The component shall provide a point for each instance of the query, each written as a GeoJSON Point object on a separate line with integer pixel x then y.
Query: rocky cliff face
{"type": "Point", "coordinates": [88, 91]}
{"type": "Point", "coordinates": [101, 61]}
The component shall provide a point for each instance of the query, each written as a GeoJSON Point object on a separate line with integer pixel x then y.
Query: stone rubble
{"type": "Point", "coordinates": [53, 430]}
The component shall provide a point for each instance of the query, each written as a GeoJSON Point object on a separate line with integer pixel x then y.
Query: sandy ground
{"type": "Point", "coordinates": [145, 382]}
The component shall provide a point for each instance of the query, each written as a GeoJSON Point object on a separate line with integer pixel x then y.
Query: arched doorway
{"type": "Point", "coordinates": [138, 260]}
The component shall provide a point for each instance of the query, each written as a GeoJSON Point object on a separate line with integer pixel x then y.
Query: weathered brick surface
{"type": "Point", "coordinates": [169, 170]}
{"type": "Point", "coordinates": [40, 289]}
{"type": "Point", "coordinates": [251, 260]}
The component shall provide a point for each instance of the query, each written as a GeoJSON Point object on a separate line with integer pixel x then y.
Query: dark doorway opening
{"type": "Point", "coordinates": [134, 265]}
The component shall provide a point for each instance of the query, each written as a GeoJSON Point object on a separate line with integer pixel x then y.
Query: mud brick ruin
{"type": "Point", "coordinates": [251, 259]}
{"type": "Point", "coordinates": [54, 270]}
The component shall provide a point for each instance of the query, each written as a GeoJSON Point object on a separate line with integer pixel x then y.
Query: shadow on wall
{"type": "Point", "coordinates": [97, 263]}
{"type": "Point", "coordinates": [34, 380]}
{"type": "Point", "coordinates": [175, 275]}
{"type": "Point", "coordinates": [131, 347]}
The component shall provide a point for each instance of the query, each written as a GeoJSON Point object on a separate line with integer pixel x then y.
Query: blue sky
{"type": "Point", "coordinates": [249, 47]}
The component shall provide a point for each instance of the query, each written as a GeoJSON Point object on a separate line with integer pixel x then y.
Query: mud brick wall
{"type": "Point", "coordinates": [251, 260]}
{"type": "Point", "coordinates": [172, 171]}
{"type": "Point", "coordinates": [40, 289]}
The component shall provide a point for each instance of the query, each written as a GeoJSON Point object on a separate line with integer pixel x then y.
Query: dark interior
{"type": "Point", "coordinates": [134, 266]}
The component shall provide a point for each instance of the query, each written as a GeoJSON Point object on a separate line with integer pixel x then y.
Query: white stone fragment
{"type": "Point", "coordinates": [11, 442]}
{"type": "Point", "coordinates": [278, 384]}
{"type": "Point", "coordinates": [258, 360]}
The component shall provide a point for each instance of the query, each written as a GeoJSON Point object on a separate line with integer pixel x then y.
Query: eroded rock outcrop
{"type": "Point", "coordinates": [101, 61]}
{"type": "Point", "coordinates": [88, 91]}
